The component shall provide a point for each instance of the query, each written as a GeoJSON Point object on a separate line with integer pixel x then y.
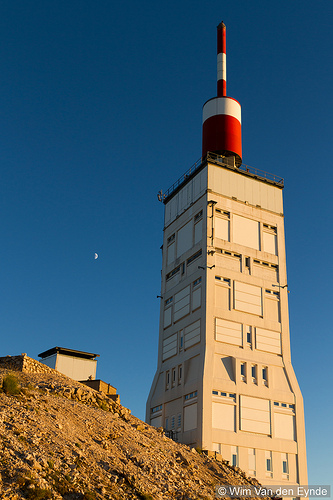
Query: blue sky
{"type": "Point", "coordinates": [100, 109]}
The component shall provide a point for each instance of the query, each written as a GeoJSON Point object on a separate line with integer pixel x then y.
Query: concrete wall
{"type": "Point", "coordinates": [224, 379]}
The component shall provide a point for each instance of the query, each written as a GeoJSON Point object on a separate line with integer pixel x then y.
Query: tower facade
{"type": "Point", "coordinates": [224, 380]}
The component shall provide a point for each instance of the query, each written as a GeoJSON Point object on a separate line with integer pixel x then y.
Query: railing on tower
{"type": "Point", "coordinates": [226, 162]}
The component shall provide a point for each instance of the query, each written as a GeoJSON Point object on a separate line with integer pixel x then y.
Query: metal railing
{"type": "Point", "coordinates": [171, 434]}
{"type": "Point", "coordinates": [226, 162]}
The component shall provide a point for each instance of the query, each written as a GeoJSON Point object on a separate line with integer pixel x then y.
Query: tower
{"type": "Point", "coordinates": [224, 380]}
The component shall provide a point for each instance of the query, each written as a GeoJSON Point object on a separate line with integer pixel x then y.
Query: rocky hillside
{"type": "Point", "coordinates": [60, 439]}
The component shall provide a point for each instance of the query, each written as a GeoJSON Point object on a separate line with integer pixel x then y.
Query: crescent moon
{"type": "Point", "coordinates": [96, 256]}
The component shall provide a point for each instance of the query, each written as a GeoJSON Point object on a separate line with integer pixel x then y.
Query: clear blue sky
{"type": "Point", "coordinates": [101, 108]}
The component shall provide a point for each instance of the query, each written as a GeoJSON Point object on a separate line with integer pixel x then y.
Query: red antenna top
{"type": "Point", "coordinates": [221, 61]}
{"type": "Point", "coordinates": [221, 124]}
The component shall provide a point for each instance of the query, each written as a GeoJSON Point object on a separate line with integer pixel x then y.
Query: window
{"type": "Point", "coordinates": [179, 421]}
{"type": "Point", "coordinates": [254, 373]}
{"type": "Point", "coordinates": [249, 336]}
{"type": "Point", "coordinates": [171, 238]}
{"type": "Point", "coordinates": [173, 421]}
{"type": "Point", "coordinates": [180, 374]}
{"type": "Point", "coordinates": [194, 257]}
{"type": "Point", "coordinates": [243, 372]}
{"type": "Point", "coordinates": [247, 262]}
{"type": "Point", "coordinates": [265, 376]}
{"type": "Point", "coordinates": [234, 456]}
{"type": "Point", "coordinates": [167, 423]}
{"type": "Point", "coordinates": [285, 468]}
{"type": "Point", "coordinates": [181, 340]}
{"type": "Point", "coordinates": [173, 377]}
{"type": "Point", "coordinates": [167, 380]}
{"type": "Point", "coordinates": [172, 273]}
{"type": "Point", "coordinates": [269, 464]}
{"type": "Point", "coordinates": [215, 393]}
{"type": "Point", "coordinates": [198, 216]}
{"type": "Point", "coordinates": [191, 395]}
{"type": "Point", "coordinates": [156, 409]}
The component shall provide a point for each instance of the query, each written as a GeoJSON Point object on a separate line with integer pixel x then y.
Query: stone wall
{"type": "Point", "coordinates": [24, 364]}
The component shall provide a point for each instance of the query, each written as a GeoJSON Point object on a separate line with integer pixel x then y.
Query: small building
{"type": "Point", "coordinates": [107, 389]}
{"type": "Point", "coordinates": [78, 365]}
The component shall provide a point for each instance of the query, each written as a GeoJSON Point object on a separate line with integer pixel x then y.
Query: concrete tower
{"type": "Point", "coordinates": [224, 380]}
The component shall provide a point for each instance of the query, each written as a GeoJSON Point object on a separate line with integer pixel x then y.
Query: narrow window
{"type": "Point", "coordinates": [173, 377]}
{"type": "Point", "coordinates": [249, 336]}
{"type": "Point", "coordinates": [269, 464]}
{"type": "Point", "coordinates": [180, 374]}
{"type": "Point", "coordinates": [234, 456]}
{"type": "Point", "coordinates": [285, 468]}
{"type": "Point", "coordinates": [243, 372]}
{"type": "Point", "coordinates": [254, 373]}
{"type": "Point", "coordinates": [181, 339]}
{"type": "Point", "coordinates": [167, 423]}
{"type": "Point", "coordinates": [167, 380]}
{"type": "Point", "coordinates": [179, 422]}
{"type": "Point", "coordinates": [265, 376]}
{"type": "Point", "coordinates": [173, 420]}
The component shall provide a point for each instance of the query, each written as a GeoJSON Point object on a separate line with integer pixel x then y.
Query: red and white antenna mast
{"type": "Point", "coordinates": [221, 61]}
{"type": "Point", "coordinates": [221, 124]}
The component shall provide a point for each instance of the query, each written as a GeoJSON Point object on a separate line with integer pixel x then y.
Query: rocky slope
{"type": "Point", "coordinates": [60, 439]}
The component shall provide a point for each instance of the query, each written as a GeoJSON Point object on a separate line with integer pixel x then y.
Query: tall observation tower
{"type": "Point", "coordinates": [224, 380]}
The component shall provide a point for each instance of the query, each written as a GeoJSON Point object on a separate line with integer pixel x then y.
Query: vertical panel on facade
{"type": "Point", "coordinates": [222, 228]}
{"type": "Point", "coordinates": [272, 307]}
{"type": "Point", "coordinates": [284, 426]}
{"type": "Point", "coordinates": [182, 303]}
{"type": "Point", "coordinates": [192, 334]}
{"type": "Point", "coordinates": [228, 331]}
{"type": "Point", "coordinates": [184, 238]}
{"type": "Point", "coordinates": [196, 298]}
{"type": "Point", "coordinates": [246, 232]}
{"type": "Point", "coordinates": [222, 294]}
{"type": "Point", "coordinates": [167, 317]}
{"type": "Point", "coordinates": [169, 347]}
{"type": "Point", "coordinates": [223, 416]}
{"type": "Point", "coordinates": [171, 253]}
{"type": "Point", "coordinates": [269, 241]}
{"type": "Point", "coordinates": [255, 415]}
{"type": "Point", "coordinates": [198, 232]}
{"type": "Point", "coordinates": [247, 298]}
{"type": "Point", "coordinates": [268, 340]}
{"type": "Point", "coordinates": [190, 417]}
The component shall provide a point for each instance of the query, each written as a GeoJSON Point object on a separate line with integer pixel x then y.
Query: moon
{"type": "Point", "coordinates": [96, 256]}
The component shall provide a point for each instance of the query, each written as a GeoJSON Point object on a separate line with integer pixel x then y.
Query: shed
{"type": "Point", "coordinates": [78, 365]}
